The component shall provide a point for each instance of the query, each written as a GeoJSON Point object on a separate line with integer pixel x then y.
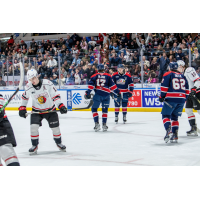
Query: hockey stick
{"type": "Point", "coordinates": [89, 105]}
{"type": "Point", "coordinates": [164, 100]}
{"type": "Point", "coordinates": [20, 85]}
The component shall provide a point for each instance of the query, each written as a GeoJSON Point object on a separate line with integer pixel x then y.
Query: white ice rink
{"type": "Point", "coordinates": [139, 142]}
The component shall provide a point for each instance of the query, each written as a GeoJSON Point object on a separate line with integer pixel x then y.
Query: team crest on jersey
{"type": "Point", "coordinates": [42, 100]}
{"type": "Point", "coordinates": [121, 81]}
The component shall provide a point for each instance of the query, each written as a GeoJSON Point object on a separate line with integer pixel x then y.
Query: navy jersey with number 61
{"type": "Point", "coordinates": [174, 87]}
{"type": "Point", "coordinates": [102, 84]}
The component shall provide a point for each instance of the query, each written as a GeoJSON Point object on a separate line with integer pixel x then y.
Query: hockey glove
{"type": "Point", "coordinates": [119, 95]}
{"type": "Point", "coordinates": [129, 95]}
{"type": "Point", "coordinates": [161, 99]}
{"type": "Point", "coordinates": [87, 95]}
{"type": "Point", "coordinates": [22, 111]}
{"type": "Point", "coordinates": [112, 95]}
{"type": "Point", "coordinates": [1, 115]}
{"type": "Point", "coordinates": [193, 92]}
{"type": "Point", "coordinates": [62, 108]}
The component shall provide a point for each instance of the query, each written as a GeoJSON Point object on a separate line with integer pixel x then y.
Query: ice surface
{"type": "Point", "coordinates": [139, 142]}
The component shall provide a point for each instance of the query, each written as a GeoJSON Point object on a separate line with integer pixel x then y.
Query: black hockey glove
{"type": "Point", "coordinates": [119, 95]}
{"type": "Point", "coordinates": [22, 111]}
{"type": "Point", "coordinates": [1, 115]}
{"type": "Point", "coordinates": [62, 108]}
{"type": "Point", "coordinates": [193, 92]}
{"type": "Point", "coordinates": [161, 99]}
{"type": "Point", "coordinates": [87, 95]}
{"type": "Point", "coordinates": [129, 95]}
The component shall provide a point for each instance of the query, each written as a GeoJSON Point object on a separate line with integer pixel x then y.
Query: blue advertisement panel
{"type": "Point", "coordinates": [69, 99]}
{"type": "Point", "coordinates": [149, 99]}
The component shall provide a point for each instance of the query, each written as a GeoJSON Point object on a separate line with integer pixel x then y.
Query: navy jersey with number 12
{"type": "Point", "coordinates": [174, 87]}
{"type": "Point", "coordinates": [102, 84]}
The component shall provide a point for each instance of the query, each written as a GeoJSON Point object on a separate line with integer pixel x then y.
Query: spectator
{"type": "Point", "coordinates": [10, 41]}
{"type": "Point", "coordinates": [154, 64]}
{"type": "Point", "coordinates": [114, 60]}
{"type": "Point", "coordinates": [52, 63]}
{"type": "Point", "coordinates": [145, 74]}
{"type": "Point", "coordinates": [76, 60]}
{"type": "Point", "coordinates": [90, 71]}
{"type": "Point", "coordinates": [152, 77]}
{"type": "Point", "coordinates": [106, 39]}
{"type": "Point", "coordinates": [40, 49]}
{"type": "Point", "coordinates": [23, 44]}
{"type": "Point", "coordinates": [92, 43]}
{"type": "Point", "coordinates": [54, 79]}
{"type": "Point", "coordinates": [68, 42]}
{"type": "Point", "coordinates": [196, 59]}
{"type": "Point", "coordinates": [69, 80]}
{"type": "Point", "coordinates": [179, 55]}
{"type": "Point", "coordinates": [42, 70]}
{"type": "Point", "coordinates": [86, 58]}
{"type": "Point", "coordinates": [2, 83]}
{"type": "Point", "coordinates": [145, 62]}
{"type": "Point", "coordinates": [66, 66]}
{"type": "Point", "coordinates": [62, 80]}
{"type": "Point", "coordinates": [75, 38]}
{"type": "Point", "coordinates": [64, 72]}
{"type": "Point", "coordinates": [77, 77]}
{"type": "Point", "coordinates": [163, 61]}
{"type": "Point", "coordinates": [135, 57]}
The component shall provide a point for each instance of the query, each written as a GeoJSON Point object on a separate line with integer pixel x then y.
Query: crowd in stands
{"type": "Point", "coordinates": [78, 57]}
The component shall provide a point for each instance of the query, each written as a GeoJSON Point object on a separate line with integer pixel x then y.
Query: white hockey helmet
{"type": "Point", "coordinates": [31, 73]}
{"type": "Point", "coordinates": [181, 63]}
{"type": "Point", "coordinates": [191, 74]}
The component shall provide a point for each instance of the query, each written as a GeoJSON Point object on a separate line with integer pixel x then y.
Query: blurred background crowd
{"type": "Point", "coordinates": [73, 60]}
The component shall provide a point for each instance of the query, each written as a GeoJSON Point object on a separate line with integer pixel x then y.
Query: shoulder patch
{"type": "Point", "coordinates": [167, 73]}
{"type": "Point", "coordinates": [127, 74]}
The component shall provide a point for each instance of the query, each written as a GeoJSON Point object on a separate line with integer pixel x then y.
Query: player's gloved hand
{"type": "Point", "coordinates": [22, 111]}
{"type": "Point", "coordinates": [193, 92]}
{"type": "Point", "coordinates": [112, 95]}
{"type": "Point", "coordinates": [87, 95]}
{"type": "Point", "coordinates": [129, 95]}
{"type": "Point", "coordinates": [161, 99]}
{"type": "Point", "coordinates": [1, 115]}
{"type": "Point", "coordinates": [62, 108]}
{"type": "Point", "coordinates": [119, 95]}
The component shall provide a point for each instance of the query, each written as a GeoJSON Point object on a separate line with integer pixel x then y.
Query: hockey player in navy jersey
{"type": "Point", "coordinates": [174, 90]}
{"type": "Point", "coordinates": [102, 84]}
{"type": "Point", "coordinates": [125, 84]}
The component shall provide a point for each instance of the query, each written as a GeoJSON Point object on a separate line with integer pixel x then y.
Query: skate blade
{"type": "Point", "coordinates": [174, 141]}
{"type": "Point", "coordinates": [63, 150]}
{"type": "Point", "coordinates": [193, 135]}
{"type": "Point", "coordinates": [104, 130]}
{"type": "Point", "coordinates": [33, 153]}
{"type": "Point", "coordinates": [96, 130]}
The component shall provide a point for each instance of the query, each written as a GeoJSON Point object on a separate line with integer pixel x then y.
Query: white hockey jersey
{"type": "Point", "coordinates": [192, 78]}
{"type": "Point", "coordinates": [2, 102]}
{"type": "Point", "coordinates": [44, 98]}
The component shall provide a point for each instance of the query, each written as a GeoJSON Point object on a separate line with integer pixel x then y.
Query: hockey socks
{"type": "Point", "coordinates": [95, 115]}
{"type": "Point", "coordinates": [104, 115]}
{"type": "Point", "coordinates": [124, 108]}
{"type": "Point", "coordinates": [166, 121]}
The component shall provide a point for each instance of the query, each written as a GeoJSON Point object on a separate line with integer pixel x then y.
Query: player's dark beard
{"type": "Point", "coordinates": [38, 86]}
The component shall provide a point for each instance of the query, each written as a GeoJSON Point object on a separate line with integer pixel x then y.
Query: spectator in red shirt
{"type": "Point", "coordinates": [10, 41]}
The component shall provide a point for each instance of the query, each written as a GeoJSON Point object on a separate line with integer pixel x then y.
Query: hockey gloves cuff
{"type": "Point", "coordinates": [161, 99]}
{"type": "Point", "coordinates": [87, 95]}
{"type": "Point", "coordinates": [62, 108]}
{"type": "Point", "coordinates": [193, 92]}
{"type": "Point", "coordinates": [22, 111]}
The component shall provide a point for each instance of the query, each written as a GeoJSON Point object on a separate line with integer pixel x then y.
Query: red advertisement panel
{"type": "Point", "coordinates": [135, 100]}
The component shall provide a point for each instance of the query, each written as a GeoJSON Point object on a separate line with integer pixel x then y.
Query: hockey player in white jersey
{"type": "Point", "coordinates": [7, 139]}
{"type": "Point", "coordinates": [191, 103]}
{"type": "Point", "coordinates": [44, 98]}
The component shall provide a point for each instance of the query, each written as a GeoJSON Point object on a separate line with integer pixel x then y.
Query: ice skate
{"type": "Point", "coordinates": [33, 150]}
{"type": "Point", "coordinates": [105, 128]}
{"type": "Point", "coordinates": [168, 134]}
{"type": "Point", "coordinates": [174, 138]}
{"type": "Point", "coordinates": [193, 131]}
{"type": "Point", "coordinates": [61, 147]}
{"type": "Point", "coordinates": [116, 119]}
{"type": "Point", "coordinates": [97, 126]}
{"type": "Point", "coordinates": [124, 118]}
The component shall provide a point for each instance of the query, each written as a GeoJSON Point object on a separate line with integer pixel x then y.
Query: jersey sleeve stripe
{"type": "Point", "coordinates": [113, 87]}
{"type": "Point", "coordinates": [176, 95]}
{"type": "Point", "coordinates": [164, 89]}
{"type": "Point", "coordinates": [131, 85]}
{"type": "Point", "coordinates": [91, 87]}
